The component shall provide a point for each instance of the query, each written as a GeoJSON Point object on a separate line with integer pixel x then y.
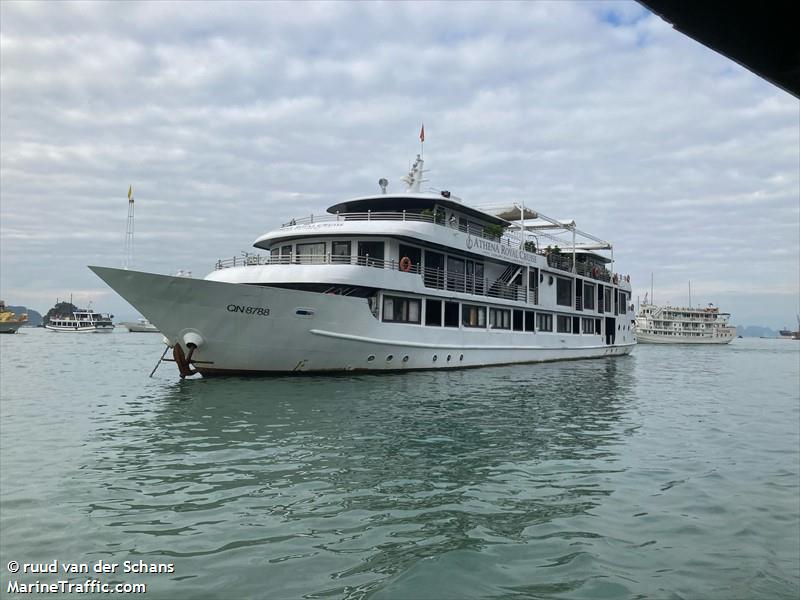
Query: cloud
{"type": "Point", "coordinates": [229, 119]}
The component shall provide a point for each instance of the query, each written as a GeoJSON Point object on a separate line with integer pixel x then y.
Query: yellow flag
{"type": "Point", "coordinates": [130, 192]}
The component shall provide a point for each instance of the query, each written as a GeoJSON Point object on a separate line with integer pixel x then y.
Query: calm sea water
{"type": "Point", "coordinates": [673, 473]}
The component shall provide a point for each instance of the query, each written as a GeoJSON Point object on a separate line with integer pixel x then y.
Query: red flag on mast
{"type": "Point", "coordinates": [422, 133]}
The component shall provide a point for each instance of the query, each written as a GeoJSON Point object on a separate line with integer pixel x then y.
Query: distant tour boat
{"type": "Point", "coordinates": [82, 321]}
{"type": "Point", "coordinates": [9, 322]}
{"type": "Point", "coordinates": [680, 325]}
{"type": "Point", "coordinates": [140, 326]}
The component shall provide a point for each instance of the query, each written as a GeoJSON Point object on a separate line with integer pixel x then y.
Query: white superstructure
{"type": "Point", "coordinates": [681, 325]}
{"type": "Point", "coordinates": [82, 321]}
{"type": "Point", "coordinates": [395, 281]}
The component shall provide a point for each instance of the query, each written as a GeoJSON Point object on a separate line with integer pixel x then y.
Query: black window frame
{"type": "Point", "coordinates": [437, 311]}
{"type": "Point", "coordinates": [407, 300]}
{"type": "Point", "coordinates": [480, 311]}
{"type": "Point", "coordinates": [571, 282]}
{"type": "Point", "coordinates": [448, 321]}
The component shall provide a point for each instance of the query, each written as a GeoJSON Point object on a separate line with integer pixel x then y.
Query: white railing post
{"type": "Point", "coordinates": [369, 217]}
{"type": "Point", "coordinates": [404, 214]}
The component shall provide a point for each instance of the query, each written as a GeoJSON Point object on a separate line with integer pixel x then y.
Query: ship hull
{"type": "Point", "coordinates": [644, 338]}
{"type": "Point", "coordinates": [79, 329]}
{"type": "Point", "coordinates": [10, 326]}
{"type": "Point", "coordinates": [251, 329]}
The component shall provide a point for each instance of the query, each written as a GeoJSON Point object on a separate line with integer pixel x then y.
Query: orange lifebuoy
{"type": "Point", "coordinates": [405, 264]}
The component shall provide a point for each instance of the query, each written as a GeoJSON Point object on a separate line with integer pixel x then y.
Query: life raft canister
{"type": "Point", "coordinates": [405, 264]}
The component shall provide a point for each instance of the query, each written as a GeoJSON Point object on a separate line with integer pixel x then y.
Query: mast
{"type": "Point", "coordinates": [690, 294]}
{"type": "Point", "coordinates": [652, 300]}
{"type": "Point", "coordinates": [414, 178]}
{"type": "Point", "coordinates": [128, 251]}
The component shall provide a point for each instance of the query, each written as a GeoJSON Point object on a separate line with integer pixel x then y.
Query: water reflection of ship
{"type": "Point", "coordinates": [432, 455]}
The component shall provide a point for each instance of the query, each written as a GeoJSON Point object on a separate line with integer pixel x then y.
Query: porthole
{"type": "Point", "coordinates": [550, 280]}
{"type": "Point", "coordinates": [405, 358]}
{"type": "Point", "coordinates": [449, 356]}
{"type": "Point", "coordinates": [619, 327]}
{"type": "Point", "coordinates": [370, 358]}
{"type": "Point", "coordinates": [461, 357]}
{"type": "Point", "coordinates": [541, 277]}
{"type": "Point", "coordinates": [389, 357]}
{"type": "Point", "coordinates": [435, 358]}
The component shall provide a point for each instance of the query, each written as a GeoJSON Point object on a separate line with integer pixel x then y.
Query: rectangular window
{"type": "Point", "coordinates": [518, 320]}
{"type": "Point", "coordinates": [576, 325]}
{"type": "Point", "coordinates": [544, 322]}
{"type": "Point", "coordinates": [473, 316]}
{"type": "Point", "coordinates": [607, 300]}
{"type": "Point", "coordinates": [588, 296]}
{"type": "Point", "coordinates": [533, 286]}
{"type": "Point", "coordinates": [479, 281]}
{"type": "Point", "coordinates": [371, 254]}
{"type": "Point", "coordinates": [434, 270]}
{"type": "Point", "coordinates": [455, 274]}
{"type": "Point", "coordinates": [285, 255]}
{"type": "Point", "coordinates": [563, 291]}
{"type": "Point", "coordinates": [500, 318]}
{"type": "Point", "coordinates": [401, 310]}
{"type": "Point", "coordinates": [588, 325]}
{"type": "Point", "coordinates": [311, 253]}
{"type": "Point", "coordinates": [563, 324]}
{"type": "Point", "coordinates": [530, 320]}
{"type": "Point", "coordinates": [413, 254]}
{"type": "Point", "coordinates": [340, 252]}
{"type": "Point", "coordinates": [433, 313]}
{"type": "Point", "coordinates": [451, 314]}
{"type": "Point", "coordinates": [622, 304]}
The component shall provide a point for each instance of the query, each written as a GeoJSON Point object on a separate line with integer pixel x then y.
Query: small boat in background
{"type": "Point", "coordinates": [9, 322]}
{"type": "Point", "coordinates": [140, 326]}
{"type": "Point", "coordinates": [82, 321]}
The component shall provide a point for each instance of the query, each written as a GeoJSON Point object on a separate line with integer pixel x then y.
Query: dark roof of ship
{"type": "Point", "coordinates": [760, 37]}
{"type": "Point", "coordinates": [411, 202]}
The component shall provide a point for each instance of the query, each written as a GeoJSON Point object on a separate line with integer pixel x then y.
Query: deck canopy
{"type": "Point", "coordinates": [412, 202]}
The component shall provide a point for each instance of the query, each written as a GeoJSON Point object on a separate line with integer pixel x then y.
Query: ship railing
{"type": "Point", "coordinates": [560, 259]}
{"type": "Point", "coordinates": [434, 278]}
{"type": "Point", "coordinates": [470, 229]}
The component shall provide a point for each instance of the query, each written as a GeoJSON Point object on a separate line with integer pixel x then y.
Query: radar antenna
{"type": "Point", "coordinates": [414, 178]}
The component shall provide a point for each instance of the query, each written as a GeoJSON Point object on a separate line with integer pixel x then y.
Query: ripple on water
{"type": "Point", "coordinates": [660, 475]}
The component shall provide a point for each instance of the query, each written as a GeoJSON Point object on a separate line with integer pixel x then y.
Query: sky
{"type": "Point", "coordinates": [229, 119]}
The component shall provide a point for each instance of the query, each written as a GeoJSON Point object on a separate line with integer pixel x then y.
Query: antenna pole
{"type": "Point", "coordinates": [128, 258]}
{"type": "Point", "coordinates": [690, 294]}
{"type": "Point", "coordinates": [652, 300]}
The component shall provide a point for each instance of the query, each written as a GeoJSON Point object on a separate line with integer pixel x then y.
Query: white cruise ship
{"type": "Point", "coordinates": [82, 321]}
{"type": "Point", "coordinates": [394, 281]}
{"type": "Point", "coordinates": [678, 325]}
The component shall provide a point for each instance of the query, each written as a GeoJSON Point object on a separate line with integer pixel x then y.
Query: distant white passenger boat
{"type": "Point", "coordinates": [394, 281]}
{"type": "Point", "coordinates": [682, 325]}
{"type": "Point", "coordinates": [140, 326]}
{"type": "Point", "coordinates": [82, 321]}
